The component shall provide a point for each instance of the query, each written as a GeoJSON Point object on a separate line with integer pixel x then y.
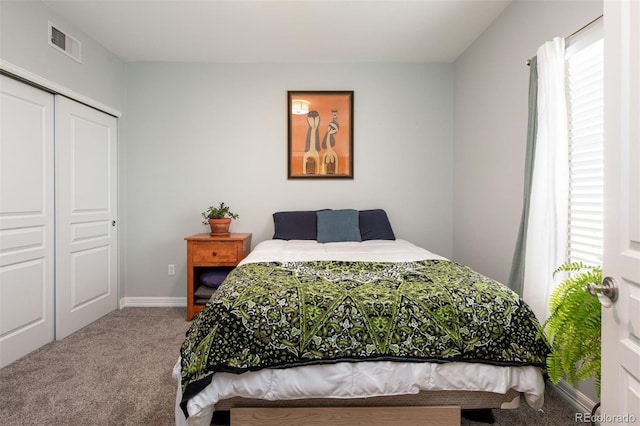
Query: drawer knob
{"type": "Point", "coordinates": [213, 253]}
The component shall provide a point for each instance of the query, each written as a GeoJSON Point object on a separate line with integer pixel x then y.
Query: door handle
{"type": "Point", "coordinates": [113, 223]}
{"type": "Point", "coordinates": [607, 293]}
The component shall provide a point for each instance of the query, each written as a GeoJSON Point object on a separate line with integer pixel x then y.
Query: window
{"type": "Point", "coordinates": [586, 136]}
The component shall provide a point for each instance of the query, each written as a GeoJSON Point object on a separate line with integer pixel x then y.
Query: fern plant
{"type": "Point", "coordinates": [573, 327]}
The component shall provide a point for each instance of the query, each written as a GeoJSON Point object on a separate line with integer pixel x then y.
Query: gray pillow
{"type": "Point", "coordinates": [338, 225]}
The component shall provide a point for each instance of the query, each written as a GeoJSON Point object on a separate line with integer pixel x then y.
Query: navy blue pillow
{"type": "Point", "coordinates": [295, 225]}
{"type": "Point", "coordinates": [374, 225]}
{"type": "Point", "coordinates": [338, 225]}
{"type": "Point", "coordinates": [214, 277]}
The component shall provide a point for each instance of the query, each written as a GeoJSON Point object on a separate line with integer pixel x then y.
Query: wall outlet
{"type": "Point", "coordinates": [171, 270]}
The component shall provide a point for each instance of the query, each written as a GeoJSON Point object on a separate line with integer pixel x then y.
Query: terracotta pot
{"type": "Point", "coordinates": [220, 227]}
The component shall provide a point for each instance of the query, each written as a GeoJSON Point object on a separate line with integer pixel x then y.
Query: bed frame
{"type": "Point", "coordinates": [439, 407]}
{"type": "Point", "coordinates": [342, 416]}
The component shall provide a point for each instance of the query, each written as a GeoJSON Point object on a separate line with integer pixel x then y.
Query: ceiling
{"type": "Point", "coordinates": [282, 31]}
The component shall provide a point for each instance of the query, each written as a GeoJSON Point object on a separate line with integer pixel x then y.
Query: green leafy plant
{"type": "Point", "coordinates": [573, 327]}
{"type": "Point", "coordinates": [221, 212]}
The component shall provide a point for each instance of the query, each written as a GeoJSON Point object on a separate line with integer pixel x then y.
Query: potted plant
{"type": "Point", "coordinates": [219, 219]}
{"type": "Point", "coordinates": [574, 326]}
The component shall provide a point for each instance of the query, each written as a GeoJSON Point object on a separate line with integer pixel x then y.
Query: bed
{"type": "Point", "coordinates": [331, 319]}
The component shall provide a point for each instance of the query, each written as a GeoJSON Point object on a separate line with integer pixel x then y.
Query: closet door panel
{"type": "Point", "coordinates": [86, 265]}
{"type": "Point", "coordinates": [26, 219]}
{"type": "Point", "coordinates": [92, 142]}
{"type": "Point", "coordinates": [90, 275]}
{"type": "Point", "coordinates": [31, 289]}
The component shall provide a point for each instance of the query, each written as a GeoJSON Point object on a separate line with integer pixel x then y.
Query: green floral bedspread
{"type": "Point", "coordinates": [297, 313]}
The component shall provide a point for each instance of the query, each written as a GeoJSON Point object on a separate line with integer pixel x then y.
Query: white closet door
{"type": "Point", "coordinates": [26, 219]}
{"type": "Point", "coordinates": [86, 237]}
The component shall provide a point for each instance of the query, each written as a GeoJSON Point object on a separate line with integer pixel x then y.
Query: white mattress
{"type": "Point", "coordinates": [352, 380]}
{"type": "Point", "coordinates": [372, 250]}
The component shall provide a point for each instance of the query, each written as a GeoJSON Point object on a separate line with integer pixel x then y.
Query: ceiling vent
{"type": "Point", "coordinates": [63, 42]}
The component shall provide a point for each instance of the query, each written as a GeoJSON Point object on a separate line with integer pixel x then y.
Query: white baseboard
{"type": "Point", "coordinates": [153, 302]}
{"type": "Point", "coordinates": [581, 402]}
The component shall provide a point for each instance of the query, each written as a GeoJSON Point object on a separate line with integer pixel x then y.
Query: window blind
{"type": "Point", "coordinates": [586, 163]}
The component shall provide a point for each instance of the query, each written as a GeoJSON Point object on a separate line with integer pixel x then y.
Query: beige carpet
{"type": "Point", "coordinates": [117, 371]}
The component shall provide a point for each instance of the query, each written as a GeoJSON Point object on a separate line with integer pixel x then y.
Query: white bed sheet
{"type": "Point", "coordinates": [352, 380]}
{"type": "Point", "coordinates": [372, 250]}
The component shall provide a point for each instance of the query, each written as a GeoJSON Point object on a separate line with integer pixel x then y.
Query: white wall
{"type": "Point", "coordinates": [198, 134]}
{"type": "Point", "coordinates": [23, 42]}
{"type": "Point", "coordinates": [491, 98]}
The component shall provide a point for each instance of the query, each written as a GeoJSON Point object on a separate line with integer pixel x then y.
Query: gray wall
{"type": "Point", "coordinates": [490, 104]}
{"type": "Point", "coordinates": [23, 42]}
{"type": "Point", "coordinates": [491, 90]}
{"type": "Point", "coordinates": [197, 134]}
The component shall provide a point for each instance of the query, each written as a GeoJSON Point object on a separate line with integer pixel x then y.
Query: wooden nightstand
{"type": "Point", "coordinates": [206, 252]}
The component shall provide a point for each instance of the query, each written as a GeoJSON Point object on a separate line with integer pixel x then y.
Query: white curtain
{"type": "Point", "coordinates": [546, 244]}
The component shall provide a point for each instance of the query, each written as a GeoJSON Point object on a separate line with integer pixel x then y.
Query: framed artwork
{"type": "Point", "coordinates": [320, 135]}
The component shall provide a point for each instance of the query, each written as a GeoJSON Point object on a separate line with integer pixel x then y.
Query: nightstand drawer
{"type": "Point", "coordinates": [215, 252]}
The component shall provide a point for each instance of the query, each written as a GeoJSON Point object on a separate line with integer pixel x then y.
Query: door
{"type": "Point", "coordinates": [86, 239]}
{"type": "Point", "coordinates": [621, 322]}
{"type": "Point", "coordinates": [26, 219]}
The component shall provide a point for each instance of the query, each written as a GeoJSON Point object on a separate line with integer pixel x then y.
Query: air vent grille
{"type": "Point", "coordinates": [63, 42]}
{"type": "Point", "coordinates": [58, 38]}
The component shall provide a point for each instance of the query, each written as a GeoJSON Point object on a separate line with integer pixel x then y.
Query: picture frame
{"type": "Point", "coordinates": [320, 134]}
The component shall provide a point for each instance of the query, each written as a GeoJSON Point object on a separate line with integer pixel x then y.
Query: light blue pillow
{"type": "Point", "coordinates": [338, 225]}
